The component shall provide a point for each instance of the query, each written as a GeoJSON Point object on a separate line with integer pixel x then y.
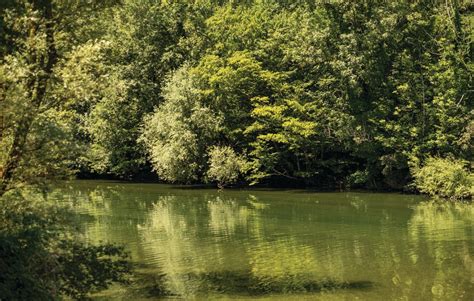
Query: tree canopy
{"type": "Point", "coordinates": [315, 93]}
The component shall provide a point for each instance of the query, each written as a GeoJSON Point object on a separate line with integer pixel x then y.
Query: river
{"type": "Point", "coordinates": [260, 244]}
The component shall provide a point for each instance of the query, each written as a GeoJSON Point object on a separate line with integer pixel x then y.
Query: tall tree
{"type": "Point", "coordinates": [36, 57]}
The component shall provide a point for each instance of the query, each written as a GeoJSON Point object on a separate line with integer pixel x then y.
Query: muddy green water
{"type": "Point", "coordinates": [281, 245]}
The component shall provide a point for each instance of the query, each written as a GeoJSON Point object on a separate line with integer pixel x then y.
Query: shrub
{"type": "Point", "coordinates": [225, 166]}
{"type": "Point", "coordinates": [358, 178]}
{"type": "Point", "coordinates": [447, 178]}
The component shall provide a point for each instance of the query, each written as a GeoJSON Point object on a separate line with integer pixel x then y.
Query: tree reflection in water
{"type": "Point", "coordinates": [342, 246]}
{"type": "Point", "coordinates": [197, 258]}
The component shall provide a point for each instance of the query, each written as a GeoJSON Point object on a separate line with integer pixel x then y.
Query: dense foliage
{"type": "Point", "coordinates": [320, 93]}
{"type": "Point", "coordinates": [225, 166]}
{"type": "Point", "coordinates": [40, 255]}
{"type": "Point", "coordinates": [446, 178]}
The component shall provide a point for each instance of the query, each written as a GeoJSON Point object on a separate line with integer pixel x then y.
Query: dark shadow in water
{"type": "Point", "coordinates": [148, 285]}
{"type": "Point", "coordinates": [244, 283]}
{"type": "Point", "coordinates": [194, 187]}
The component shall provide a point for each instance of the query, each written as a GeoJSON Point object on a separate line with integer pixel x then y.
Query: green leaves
{"type": "Point", "coordinates": [444, 177]}
{"type": "Point", "coordinates": [312, 93]}
{"type": "Point", "coordinates": [178, 133]}
{"type": "Point", "coordinates": [225, 166]}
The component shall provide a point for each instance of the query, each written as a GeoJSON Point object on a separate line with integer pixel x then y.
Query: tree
{"type": "Point", "coordinates": [322, 94]}
{"type": "Point", "coordinates": [141, 45]}
{"type": "Point", "coordinates": [26, 74]}
{"type": "Point", "coordinates": [317, 93]}
{"type": "Point", "coordinates": [39, 257]}
{"type": "Point", "coordinates": [178, 132]}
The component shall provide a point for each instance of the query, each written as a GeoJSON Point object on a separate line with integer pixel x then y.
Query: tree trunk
{"type": "Point", "coordinates": [42, 67]}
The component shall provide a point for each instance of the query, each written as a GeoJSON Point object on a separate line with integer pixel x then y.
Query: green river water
{"type": "Point", "coordinates": [201, 244]}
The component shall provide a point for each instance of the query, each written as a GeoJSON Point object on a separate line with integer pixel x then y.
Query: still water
{"type": "Point", "coordinates": [205, 244]}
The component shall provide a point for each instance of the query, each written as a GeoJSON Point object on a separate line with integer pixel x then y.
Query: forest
{"type": "Point", "coordinates": [327, 95]}
{"type": "Point", "coordinates": [323, 94]}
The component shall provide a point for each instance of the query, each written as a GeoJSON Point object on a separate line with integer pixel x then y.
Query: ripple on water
{"type": "Point", "coordinates": [283, 244]}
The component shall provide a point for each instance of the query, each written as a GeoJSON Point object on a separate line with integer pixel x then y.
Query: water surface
{"type": "Point", "coordinates": [280, 245]}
